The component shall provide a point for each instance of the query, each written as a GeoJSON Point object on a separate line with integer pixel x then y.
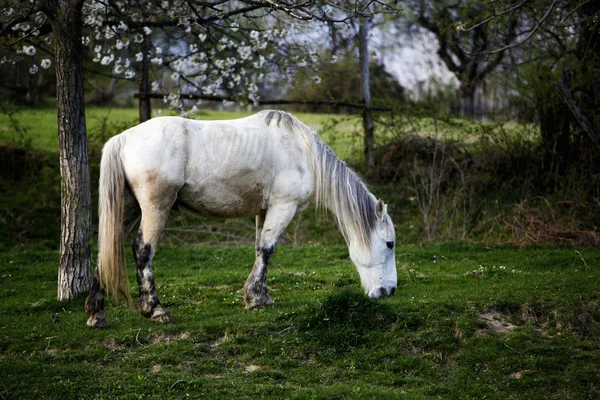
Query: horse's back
{"type": "Point", "coordinates": [222, 168]}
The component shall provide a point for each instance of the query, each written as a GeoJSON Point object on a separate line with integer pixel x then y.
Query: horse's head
{"type": "Point", "coordinates": [377, 265]}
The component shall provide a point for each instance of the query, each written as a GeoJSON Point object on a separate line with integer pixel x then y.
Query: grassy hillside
{"type": "Point", "coordinates": [467, 322]}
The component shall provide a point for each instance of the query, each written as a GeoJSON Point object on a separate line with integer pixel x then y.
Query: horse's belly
{"type": "Point", "coordinates": [222, 201]}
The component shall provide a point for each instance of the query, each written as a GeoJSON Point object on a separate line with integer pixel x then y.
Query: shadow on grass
{"type": "Point", "coordinates": [347, 320]}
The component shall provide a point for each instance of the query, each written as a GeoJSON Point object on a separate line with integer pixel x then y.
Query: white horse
{"type": "Point", "coordinates": [269, 165]}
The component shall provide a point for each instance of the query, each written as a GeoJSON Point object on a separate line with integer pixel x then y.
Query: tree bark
{"type": "Point", "coordinates": [75, 267]}
{"type": "Point", "coordinates": [145, 106]}
{"type": "Point", "coordinates": [368, 123]}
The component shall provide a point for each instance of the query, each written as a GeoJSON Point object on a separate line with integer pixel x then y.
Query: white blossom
{"type": "Point", "coordinates": [258, 64]}
{"type": "Point", "coordinates": [107, 59]}
{"type": "Point", "coordinates": [29, 51]}
{"type": "Point", "coordinates": [109, 32]}
{"type": "Point", "coordinates": [245, 52]}
{"type": "Point", "coordinates": [147, 30]}
{"type": "Point", "coordinates": [202, 37]}
{"type": "Point", "coordinates": [33, 69]}
{"type": "Point", "coordinates": [46, 63]}
{"type": "Point", "coordinates": [129, 74]}
{"type": "Point", "coordinates": [139, 56]}
{"type": "Point", "coordinates": [39, 18]}
{"type": "Point", "coordinates": [175, 76]}
{"type": "Point", "coordinates": [157, 60]}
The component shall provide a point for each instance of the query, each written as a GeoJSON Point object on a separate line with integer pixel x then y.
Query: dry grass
{"type": "Point", "coordinates": [540, 225]}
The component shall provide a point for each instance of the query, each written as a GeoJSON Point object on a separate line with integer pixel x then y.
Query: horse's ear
{"type": "Point", "coordinates": [380, 210]}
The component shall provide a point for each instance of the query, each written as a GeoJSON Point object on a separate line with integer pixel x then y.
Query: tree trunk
{"type": "Point", "coordinates": [466, 95]}
{"type": "Point", "coordinates": [75, 267]}
{"type": "Point", "coordinates": [144, 83]}
{"type": "Point", "coordinates": [368, 124]}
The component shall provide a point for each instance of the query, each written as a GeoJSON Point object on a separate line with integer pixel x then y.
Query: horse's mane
{"type": "Point", "coordinates": [337, 187]}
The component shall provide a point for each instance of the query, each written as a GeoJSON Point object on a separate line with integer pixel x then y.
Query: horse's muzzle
{"type": "Point", "coordinates": [382, 292]}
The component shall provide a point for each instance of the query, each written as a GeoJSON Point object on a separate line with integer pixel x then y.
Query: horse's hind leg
{"type": "Point", "coordinates": [269, 228]}
{"type": "Point", "coordinates": [94, 305]}
{"type": "Point", "coordinates": [154, 217]}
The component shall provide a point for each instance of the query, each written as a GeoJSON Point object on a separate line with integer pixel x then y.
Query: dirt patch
{"type": "Point", "coordinates": [497, 321]}
{"type": "Point", "coordinates": [112, 344]}
{"type": "Point", "coordinates": [251, 368]}
{"type": "Point", "coordinates": [169, 337]}
{"type": "Point", "coordinates": [155, 369]}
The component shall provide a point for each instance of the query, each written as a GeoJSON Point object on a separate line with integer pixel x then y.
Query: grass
{"type": "Point", "coordinates": [468, 321]}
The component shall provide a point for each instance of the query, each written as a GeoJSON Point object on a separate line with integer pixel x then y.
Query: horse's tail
{"type": "Point", "coordinates": [112, 270]}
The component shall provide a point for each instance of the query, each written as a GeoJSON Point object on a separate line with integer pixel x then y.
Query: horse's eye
{"type": "Point", "coordinates": [390, 245]}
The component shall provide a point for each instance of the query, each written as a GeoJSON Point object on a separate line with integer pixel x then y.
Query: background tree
{"type": "Point", "coordinates": [554, 65]}
{"type": "Point", "coordinates": [462, 42]}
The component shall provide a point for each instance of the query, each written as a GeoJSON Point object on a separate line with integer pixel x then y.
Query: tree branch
{"type": "Point", "coordinates": [516, 44]}
{"type": "Point", "coordinates": [485, 21]}
{"type": "Point", "coordinates": [36, 7]}
{"type": "Point", "coordinates": [581, 119]}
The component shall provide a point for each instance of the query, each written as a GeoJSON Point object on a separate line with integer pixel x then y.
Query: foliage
{"type": "Point", "coordinates": [465, 180]}
{"type": "Point", "coordinates": [339, 81]}
{"type": "Point", "coordinates": [467, 322]}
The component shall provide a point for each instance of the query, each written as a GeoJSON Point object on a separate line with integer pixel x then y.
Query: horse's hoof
{"type": "Point", "coordinates": [161, 315]}
{"type": "Point", "coordinates": [256, 303]}
{"type": "Point", "coordinates": [97, 323]}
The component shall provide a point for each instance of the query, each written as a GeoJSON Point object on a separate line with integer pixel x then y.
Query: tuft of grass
{"type": "Point", "coordinates": [346, 320]}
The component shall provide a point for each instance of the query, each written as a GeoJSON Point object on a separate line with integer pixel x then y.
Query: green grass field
{"type": "Point", "coordinates": [468, 322]}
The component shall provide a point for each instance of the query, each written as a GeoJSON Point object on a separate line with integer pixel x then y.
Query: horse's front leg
{"type": "Point", "coordinates": [269, 227]}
